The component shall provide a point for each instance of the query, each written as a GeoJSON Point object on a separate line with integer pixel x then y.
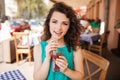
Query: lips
{"type": "Point", "coordinates": [58, 33]}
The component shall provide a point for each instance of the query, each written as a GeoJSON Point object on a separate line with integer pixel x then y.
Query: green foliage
{"type": "Point", "coordinates": [32, 8]}
{"type": "Point", "coordinates": [117, 25]}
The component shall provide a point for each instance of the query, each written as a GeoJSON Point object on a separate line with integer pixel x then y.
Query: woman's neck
{"type": "Point", "coordinates": [61, 43]}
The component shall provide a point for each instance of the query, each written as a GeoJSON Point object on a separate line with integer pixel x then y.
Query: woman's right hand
{"type": "Point", "coordinates": [52, 46]}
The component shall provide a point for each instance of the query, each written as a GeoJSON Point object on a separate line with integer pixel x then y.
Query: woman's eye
{"type": "Point", "coordinates": [54, 21]}
{"type": "Point", "coordinates": [65, 23]}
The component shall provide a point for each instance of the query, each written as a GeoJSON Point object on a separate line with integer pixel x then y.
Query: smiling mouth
{"type": "Point", "coordinates": [58, 33]}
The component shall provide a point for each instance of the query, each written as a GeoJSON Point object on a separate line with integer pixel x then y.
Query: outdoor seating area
{"type": "Point", "coordinates": [22, 45]}
{"type": "Point", "coordinates": [9, 55]}
{"type": "Point", "coordinates": [27, 70]}
{"type": "Point", "coordinates": [34, 33]}
{"type": "Point", "coordinates": [7, 38]}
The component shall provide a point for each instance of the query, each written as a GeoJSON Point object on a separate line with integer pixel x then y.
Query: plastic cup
{"type": "Point", "coordinates": [54, 57]}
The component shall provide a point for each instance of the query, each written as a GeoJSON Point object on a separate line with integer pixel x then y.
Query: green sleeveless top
{"type": "Point", "coordinates": [69, 56]}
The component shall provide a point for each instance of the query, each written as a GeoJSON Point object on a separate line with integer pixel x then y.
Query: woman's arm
{"type": "Point", "coordinates": [78, 74]}
{"type": "Point", "coordinates": [40, 69]}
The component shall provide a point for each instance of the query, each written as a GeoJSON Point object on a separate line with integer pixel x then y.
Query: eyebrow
{"type": "Point", "coordinates": [62, 21]}
{"type": "Point", "coordinates": [53, 19]}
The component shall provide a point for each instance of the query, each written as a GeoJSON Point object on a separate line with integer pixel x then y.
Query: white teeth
{"type": "Point", "coordinates": [58, 32]}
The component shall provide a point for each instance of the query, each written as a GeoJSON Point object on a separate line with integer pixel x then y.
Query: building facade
{"type": "Point", "coordinates": [8, 8]}
{"type": "Point", "coordinates": [109, 12]}
{"type": "Point", "coordinates": [2, 8]}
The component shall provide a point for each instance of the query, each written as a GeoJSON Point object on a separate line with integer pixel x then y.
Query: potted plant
{"type": "Point", "coordinates": [117, 25]}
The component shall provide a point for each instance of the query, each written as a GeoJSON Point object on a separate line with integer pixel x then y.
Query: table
{"type": "Point", "coordinates": [90, 37]}
{"type": "Point", "coordinates": [12, 75]}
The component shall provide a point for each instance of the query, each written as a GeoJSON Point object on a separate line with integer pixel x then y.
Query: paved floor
{"type": "Point", "coordinates": [114, 68]}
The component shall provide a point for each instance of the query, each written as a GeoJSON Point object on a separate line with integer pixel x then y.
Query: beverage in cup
{"type": "Point", "coordinates": [56, 55]}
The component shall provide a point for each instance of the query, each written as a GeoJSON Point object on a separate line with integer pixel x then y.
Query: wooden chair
{"type": "Point", "coordinates": [95, 66]}
{"type": "Point", "coordinates": [22, 45]}
{"type": "Point", "coordinates": [98, 45]}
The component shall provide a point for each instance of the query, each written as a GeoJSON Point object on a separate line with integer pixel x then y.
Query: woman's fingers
{"type": "Point", "coordinates": [62, 57]}
{"type": "Point", "coordinates": [62, 63]}
{"type": "Point", "coordinates": [52, 46]}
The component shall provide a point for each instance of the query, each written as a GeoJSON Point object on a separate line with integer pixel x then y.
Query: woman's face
{"type": "Point", "coordinates": [59, 25]}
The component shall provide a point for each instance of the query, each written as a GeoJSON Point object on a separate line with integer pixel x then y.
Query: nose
{"type": "Point", "coordinates": [59, 26]}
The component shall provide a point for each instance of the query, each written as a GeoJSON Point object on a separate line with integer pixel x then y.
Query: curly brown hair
{"type": "Point", "coordinates": [72, 37]}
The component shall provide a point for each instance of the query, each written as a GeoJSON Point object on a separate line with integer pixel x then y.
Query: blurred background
{"type": "Point", "coordinates": [29, 16]}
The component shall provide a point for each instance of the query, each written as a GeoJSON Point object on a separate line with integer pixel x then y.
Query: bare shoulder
{"type": "Point", "coordinates": [37, 46]}
{"type": "Point", "coordinates": [78, 51]}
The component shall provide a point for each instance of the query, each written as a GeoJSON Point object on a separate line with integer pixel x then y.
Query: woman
{"type": "Point", "coordinates": [61, 31]}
